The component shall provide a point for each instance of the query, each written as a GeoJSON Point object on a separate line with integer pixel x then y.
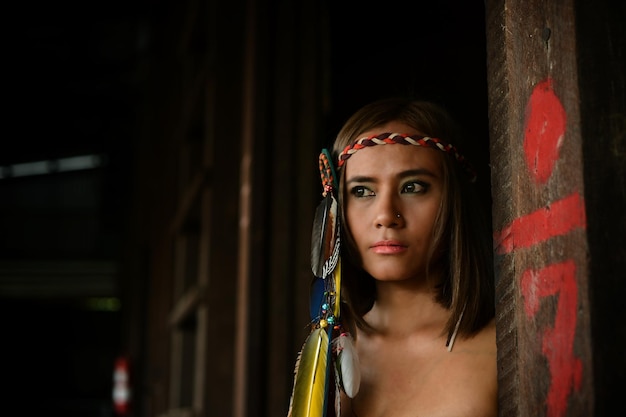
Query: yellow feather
{"type": "Point", "coordinates": [337, 277]}
{"type": "Point", "coordinates": [311, 376]}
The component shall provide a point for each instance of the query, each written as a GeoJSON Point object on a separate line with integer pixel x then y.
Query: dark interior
{"type": "Point", "coordinates": [76, 73]}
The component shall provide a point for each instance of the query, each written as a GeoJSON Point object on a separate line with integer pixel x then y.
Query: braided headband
{"type": "Point", "coordinates": [405, 139]}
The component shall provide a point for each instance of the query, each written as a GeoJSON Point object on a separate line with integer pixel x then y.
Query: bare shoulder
{"type": "Point", "coordinates": [484, 341]}
{"type": "Point", "coordinates": [472, 373]}
{"type": "Point", "coordinates": [466, 383]}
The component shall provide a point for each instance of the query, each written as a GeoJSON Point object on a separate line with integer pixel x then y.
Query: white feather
{"type": "Point", "coordinates": [348, 364]}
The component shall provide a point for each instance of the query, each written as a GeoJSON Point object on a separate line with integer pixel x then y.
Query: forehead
{"type": "Point", "coordinates": [391, 159]}
{"type": "Point", "coordinates": [393, 127]}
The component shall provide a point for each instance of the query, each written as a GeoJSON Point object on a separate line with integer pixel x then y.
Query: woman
{"type": "Point", "coordinates": [416, 282]}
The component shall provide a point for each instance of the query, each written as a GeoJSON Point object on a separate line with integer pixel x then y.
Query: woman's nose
{"type": "Point", "coordinates": [388, 213]}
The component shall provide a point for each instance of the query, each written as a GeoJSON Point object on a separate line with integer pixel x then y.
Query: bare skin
{"type": "Point", "coordinates": [406, 369]}
{"type": "Point", "coordinates": [394, 192]}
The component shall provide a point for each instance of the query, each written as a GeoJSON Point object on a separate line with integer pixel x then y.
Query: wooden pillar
{"type": "Point", "coordinates": [539, 210]}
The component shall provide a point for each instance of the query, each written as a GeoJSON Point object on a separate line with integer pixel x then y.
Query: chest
{"type": "Point", "coordinates": [405, 380]}
{"type": "Point", "coordinates": [399, 376]}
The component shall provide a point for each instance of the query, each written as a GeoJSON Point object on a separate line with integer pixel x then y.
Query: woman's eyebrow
{"type": "Point", "coordinates": [360, 179]}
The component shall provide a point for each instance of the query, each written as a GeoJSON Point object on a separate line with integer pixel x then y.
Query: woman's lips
{"type": "Point", "coordinates": [388, 247]}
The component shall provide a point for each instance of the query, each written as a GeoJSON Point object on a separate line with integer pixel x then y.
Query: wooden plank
{"type": "Point", "coordinates": [185, 307]}
{"type": "Point", "coordinates": [176, 339]}
{"type": "Point", "coordinates": [190, 194]}
{"type": "Point", "coordinates": [278, 195]}
{"type": "Point", "coordinates": [545, 363]}
{"type": "Point", "coordinates": [244, 319]}
{"type": "Point", "coordinates": [217, 319]}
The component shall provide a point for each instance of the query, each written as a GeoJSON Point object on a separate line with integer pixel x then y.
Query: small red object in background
{"type": "Point", "coordinates": [121, 387]}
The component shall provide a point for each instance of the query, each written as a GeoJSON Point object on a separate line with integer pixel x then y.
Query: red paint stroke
{"type": "Point", "coordinates": [557, 342]}
{"type": "Point", "coordinates": [544, 131]}
{"type": "Point", "coordinates": [556, 219]}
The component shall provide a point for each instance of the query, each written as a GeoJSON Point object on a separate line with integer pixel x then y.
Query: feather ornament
{"type": "Point", "coordinates": [325, 296]}
{"type": "Point", "coordinates": [317, 298]}
{"type": "Point", "coordinates": [337, 390]}
{"type": "Point", "coordinates": [324, 237]}
{"type": "Point", "coordinates": [314, 380]}
{"type": "Point", "coordinates": [312, 370]}
{"type": "Point", "coordinates": [347, 364]}
{"type": "Point", "coordinates": [336, 284]}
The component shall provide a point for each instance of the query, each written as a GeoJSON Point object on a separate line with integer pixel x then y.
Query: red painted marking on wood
{"type": "Point", "coordinates": [544, 132]}
{"type": "Point", "coordinates": [557, 342]}
{"type": "Point", "coordinates": [556, 219]}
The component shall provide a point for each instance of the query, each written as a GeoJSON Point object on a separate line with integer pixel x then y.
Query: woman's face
{"type": "Point", "coordinates": [382, 182]}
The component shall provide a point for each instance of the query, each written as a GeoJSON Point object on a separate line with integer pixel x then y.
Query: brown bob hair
{"type": "Point", "coordinates": [461, 233]}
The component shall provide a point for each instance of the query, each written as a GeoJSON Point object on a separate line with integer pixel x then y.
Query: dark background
{"type": "Point", "coordinates": [75, 77]}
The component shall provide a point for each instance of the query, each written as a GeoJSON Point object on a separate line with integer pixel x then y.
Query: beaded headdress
{"type": "Point", "coordinates": [406, 139]}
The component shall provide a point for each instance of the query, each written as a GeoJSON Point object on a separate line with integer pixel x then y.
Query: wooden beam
{"type": "Point", "coordinates": [543, 312]}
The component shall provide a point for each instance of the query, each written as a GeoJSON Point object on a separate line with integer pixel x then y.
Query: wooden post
{"type": "Point", "coordinates": [539, 217]}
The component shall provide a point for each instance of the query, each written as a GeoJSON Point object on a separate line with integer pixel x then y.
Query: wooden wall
{"type": "Point", "coordinates": [218, 265]}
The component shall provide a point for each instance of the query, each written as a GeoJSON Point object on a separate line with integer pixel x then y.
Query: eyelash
{"type": "Point", "coordinates": [420, 187]}
{"type": "Point", "coordinates": [359, 191]}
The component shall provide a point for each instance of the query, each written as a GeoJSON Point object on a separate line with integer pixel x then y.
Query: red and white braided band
{"type": "Point", "coordinates": [405, 139]}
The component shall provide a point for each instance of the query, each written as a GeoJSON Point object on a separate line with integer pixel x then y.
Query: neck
{"type": "Point", "coordinates": [407, 307]}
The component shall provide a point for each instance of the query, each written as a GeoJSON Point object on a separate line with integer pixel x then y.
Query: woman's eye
{"type": "Point", "coordinates": [414, 187]}
{"type": "Point", "coordinates": [361, 191]}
